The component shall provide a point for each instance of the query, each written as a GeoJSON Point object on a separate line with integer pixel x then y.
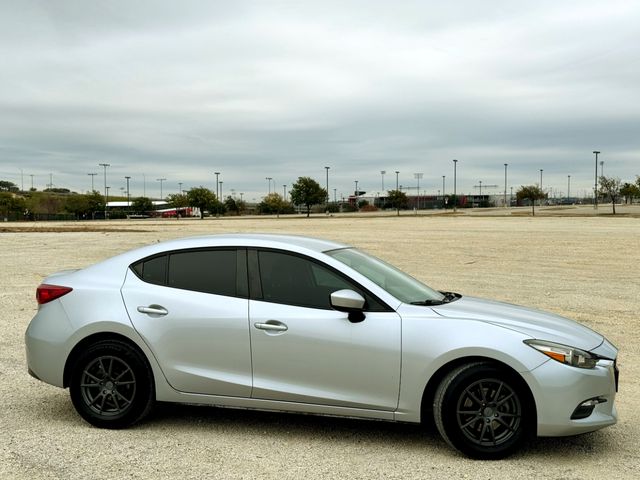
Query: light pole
{"type": "Point", "coordinates": [601, 168]}
{"type": "Point", "coordinates": [106, 189]}
{"type": "Point", "coordinates": [455, 179]}
{"type": "Point", "coordinates": [180, 188]}
{"type": "Point", "coordinates": [568, 188]}
{"type": "Point", "coordinates": [160, 180]}
{"type": "Point", "coordinates": [595, 184]}
{"type": "Point", "coordinates": [334, 195]}
{"type": "Point", "coordinates": [221, 182]}
{"type": "Point", "coordinates": [217, 185]}
{"type": "Point", "coordinates": [268, 179]}
{"type": "Point", "coordinates": [92, 175]}
{"type": "Point", "coordinates": [382, 172]}
{"type": "Point", "coordinates": [397, 195]}
{"type": "Point", "coordinates": [104, 165]}
{"type": "Point", "coordinates": [327, 169]}
{"type": "Point", "coordinates": [128, 178]}
{"type": "Point", "coordinates": [541, 170]}
{"type": "Point", "coordinates": [443, 194]}
{"type": "Point", "coordinates": [32, 181]}
{"type": "Point", "coordinates": [505, 184]}
{"type": "Point", "coordinates": [418, 176]}
{"type": "Point", "coordinates": [284, 192]}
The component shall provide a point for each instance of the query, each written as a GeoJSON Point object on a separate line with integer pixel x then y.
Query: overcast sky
{"type": "Point", "coordinates": [181, 89]}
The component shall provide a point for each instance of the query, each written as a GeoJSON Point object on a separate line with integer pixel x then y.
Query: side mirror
{"type": "Point", "coordinates": [350, 302]}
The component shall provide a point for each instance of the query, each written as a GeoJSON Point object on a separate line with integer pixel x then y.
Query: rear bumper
{"type": "Point", "coordinates": [46, 340]}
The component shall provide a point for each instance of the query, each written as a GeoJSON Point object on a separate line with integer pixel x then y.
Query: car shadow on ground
{"type": "Point", "coordinates": [293, 427]}
{"type": "Point", "coordinates": [302, 427]}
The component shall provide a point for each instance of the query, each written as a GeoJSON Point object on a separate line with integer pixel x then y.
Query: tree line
{"type": "Point", "coordinates": [305, 192]}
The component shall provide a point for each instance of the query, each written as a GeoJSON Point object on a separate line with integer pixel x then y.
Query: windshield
{"type": "Point", "coordinates": [402, 286]}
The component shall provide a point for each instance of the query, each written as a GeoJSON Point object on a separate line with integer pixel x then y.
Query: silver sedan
{"type": "Point", "coordinates": [299, 324]}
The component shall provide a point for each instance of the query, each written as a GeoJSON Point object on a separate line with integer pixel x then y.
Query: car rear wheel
{"type": "Point", "coordinates": [482, 410]}
{"type": "Point", "coordinates": [112, 385]}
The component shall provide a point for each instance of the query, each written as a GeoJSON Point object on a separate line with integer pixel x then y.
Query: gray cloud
{"type": "Point", "coordinates": [281, 89]}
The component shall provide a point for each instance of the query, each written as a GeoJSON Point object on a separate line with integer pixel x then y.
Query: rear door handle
{"type": "Point", "coordinates": [274, 327]}
{"type": "Point", "coordinates": [153, 310]}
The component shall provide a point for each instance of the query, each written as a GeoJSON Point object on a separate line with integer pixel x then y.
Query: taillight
{"type": "Point", "coordinates": [45, 293]}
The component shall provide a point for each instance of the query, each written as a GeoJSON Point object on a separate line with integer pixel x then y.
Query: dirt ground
{"type": "Point", "coordinates": [583, 267]}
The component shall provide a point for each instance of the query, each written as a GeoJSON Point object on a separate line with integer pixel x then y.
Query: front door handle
{"type": "Point", "coordinates": [153, 310]}
{"type": "Point", "coordinates": [274, 327]}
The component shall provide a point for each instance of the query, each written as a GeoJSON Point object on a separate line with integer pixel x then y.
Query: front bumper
{"type": "Point", "coordinates": [559, 389]}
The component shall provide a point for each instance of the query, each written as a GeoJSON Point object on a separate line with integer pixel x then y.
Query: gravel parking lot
{"type": "Point", "coordinates": [582, 267]}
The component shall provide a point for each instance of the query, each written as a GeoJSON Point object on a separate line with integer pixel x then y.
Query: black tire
{"type": "Point", "coordinates": [483, 411]}
{"type": "Point", "coordinates": [112, 385]}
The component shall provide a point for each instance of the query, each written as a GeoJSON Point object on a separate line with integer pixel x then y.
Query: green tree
{"type": "Point", "coordinates": [306, 191]}
{"type": "Point", "coordinates": [236, 206]}
{"type": "Point", "coordinates": [84, 205]}
{"type": "Point", "coordinates": [142, 205]}
{"type": "Point", "coordinates": [178, 201]}
{"type": "Point", "coordinates": [398, 199]}
{"type": "Point", "coordinates": [78, 205]}
{"type": "Point", "coordinates": [610, 186]}
{"type": "Point", "coordinates": [274, 203]}
{"type": "Point", "coordinates": [95, 202]}
{"type": "Point", "coordinates": [202, 198]}
{"type": "Point", "coordinates": [629, 191]}
{"type": "Point", "coordinates": [10, 203]}
{"type": "Point", "coordinates": [531, 193]}
{"type": "Point", "coordinates": [6, 186]}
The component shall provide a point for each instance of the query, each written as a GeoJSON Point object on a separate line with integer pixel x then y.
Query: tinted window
{"type": "Point", "coordinates": [208, 271]}
{"type": "Point", "coordinates": [155, 270]}
{"type": "Point", "coordinates": [294, 280]}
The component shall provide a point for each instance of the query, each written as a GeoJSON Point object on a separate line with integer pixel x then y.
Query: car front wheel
{"type": "Point", "coordinates": [482, 410]}
{"type": "Point", "coordinates": [112, 385]}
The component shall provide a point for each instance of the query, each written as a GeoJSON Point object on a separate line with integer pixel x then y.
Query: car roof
{"type": "Point", "coordinates": [295, 243]}
{"type": "Point", "coordinates": [254, 240]}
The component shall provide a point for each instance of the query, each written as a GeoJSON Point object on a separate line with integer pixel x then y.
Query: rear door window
{"type": "Point", "coordinates": [215, 271]}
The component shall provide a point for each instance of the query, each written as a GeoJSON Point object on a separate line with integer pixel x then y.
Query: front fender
{"type": "Point", "coordinates": [429, 343]}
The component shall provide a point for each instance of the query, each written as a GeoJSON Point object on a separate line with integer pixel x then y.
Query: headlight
{"type": "Point", "coordinates": [564, 354]}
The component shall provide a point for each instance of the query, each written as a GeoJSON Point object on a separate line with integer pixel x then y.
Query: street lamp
{"type": "Point", "coordinates": [443, 194]}
{"type": "Point", "coordinates": [568, 188]}
{"type": "Point", "coordinates": [327, 169]}
{"type": "Point", "coordinates": [92, 175]}
{"type": "Point", "coordinates": [505, 184]}
{"type": "Point", "coordinates": [161, 180]}
{"type": "Point", "coordinates": [106, 189]}
{"type": "Point", "coordinates": [595, 185]}
{"type": "Point", "coordinates": [397, 195]}
{"type": "Point", "coordinates": [284, 192]}
{"type": "Point", "coordinates": [541, 170]}
{"type": "Point", "coordinates": [128, 178]}
{"type": "Point", "coordinates": [382, 172]}
{"type": "Point", "coordinates": [268, 179]}
{"type": "Point", "coordinates": [418, 176]}
{"type": "Point", "coordinates": [180, 188]}
{"type": "Point", "coordinates": [104, 165]}
{"type": "Point", "coordinates": [455, 196]}
{"type": "Point", "coordinates": [217, 185]}
{"type": "Point", "coordinates": [220, 199]}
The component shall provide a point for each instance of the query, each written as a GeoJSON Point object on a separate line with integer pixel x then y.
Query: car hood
{"type": "Point", "coordinates": [538, 324]}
